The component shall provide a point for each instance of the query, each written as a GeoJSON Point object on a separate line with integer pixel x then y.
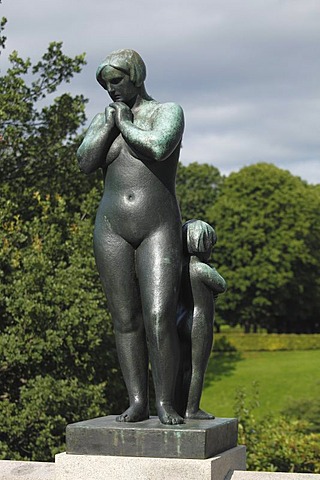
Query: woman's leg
{"type": "Point", "coordinates": [158, 262]}
{"type": "Point", "coordinates": [185, 365]}
{"type": "Point", "coordinates": [201, 345]}
{"type": "Point", "coordinates": [115, 260]}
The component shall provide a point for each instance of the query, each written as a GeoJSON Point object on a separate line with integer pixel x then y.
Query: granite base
{"type": "Point", "coordinates": [98, 467]}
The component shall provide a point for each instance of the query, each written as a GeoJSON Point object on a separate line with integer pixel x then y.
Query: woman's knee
{"type": "Point", "coordinates": [160, 321]}
{"type": "Point", "coordinates": [127, 322]}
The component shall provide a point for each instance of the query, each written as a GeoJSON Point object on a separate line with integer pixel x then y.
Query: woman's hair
{"type": "Point", "coordinates": [198, 236]}
{"type": "Point", "coordinates": [127, 61]}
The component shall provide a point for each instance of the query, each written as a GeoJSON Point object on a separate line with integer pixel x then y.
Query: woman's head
{"type": "Point", "coordinates": [198, 237]}
{"type": "Point", "coordinates": [126, 61]}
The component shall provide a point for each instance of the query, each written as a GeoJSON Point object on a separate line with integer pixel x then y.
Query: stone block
{"type": "Point", "coordinates": [18, 470]}
{"type": "Point", "coordinates": [197, 439]}
{"type": "Point", "coordinates": [98, 467]}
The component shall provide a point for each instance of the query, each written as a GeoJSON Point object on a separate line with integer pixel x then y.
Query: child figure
{"type": "Point", "coordinates": [200, 286]}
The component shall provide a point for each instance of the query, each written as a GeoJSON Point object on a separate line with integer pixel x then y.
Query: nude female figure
{"type": "Point", "coordinates": [137, 236]}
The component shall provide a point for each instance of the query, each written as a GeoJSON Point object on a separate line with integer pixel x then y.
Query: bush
{"type": "Point", "coordinates": [34, 428]}
{"type": "Point", "coordinates": [57, 349]}
{"type": "Point", "coordinates": [257, 342]}
{"type": "Point", "coordinates": [275, 444]}
{"type": "Point", "coordinates": [305, 409]}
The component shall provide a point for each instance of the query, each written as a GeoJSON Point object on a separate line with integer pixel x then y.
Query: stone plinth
{"type": "Point", "coordinates": [196, 439]}
{"type": "Point", "coordinates": [22, 470]}
{"type": "Point", "coordinates": [271, 476]}
{"type": "Point", "coordinates": [98, 467]}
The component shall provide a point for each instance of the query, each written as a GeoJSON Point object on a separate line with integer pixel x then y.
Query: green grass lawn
{"type": "Point", "coordinates": [283, 376]}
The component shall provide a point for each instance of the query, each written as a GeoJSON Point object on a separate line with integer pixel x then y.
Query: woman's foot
{"type": "Point", "coordinates": [168, 416]}
{"type": "Point", "coordinates": [135, 413]}
{"type": "Point", "coordinates": [198, 415]}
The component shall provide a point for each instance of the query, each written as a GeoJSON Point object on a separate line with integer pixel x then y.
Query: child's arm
{"type": "Point", "coordinates": [210, 277]}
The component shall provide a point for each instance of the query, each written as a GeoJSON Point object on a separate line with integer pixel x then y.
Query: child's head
{"type": "Point", "coordinates": [198, 237]}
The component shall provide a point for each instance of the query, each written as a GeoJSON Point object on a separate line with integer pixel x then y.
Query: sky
{"type": "Point", "coordinates": [246, 72]}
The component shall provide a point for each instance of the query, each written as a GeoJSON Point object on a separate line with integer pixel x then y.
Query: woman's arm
{"type": "Point", "coordinates": [97, 141]}
{"type": "Point", "coordinates": [159, 141]}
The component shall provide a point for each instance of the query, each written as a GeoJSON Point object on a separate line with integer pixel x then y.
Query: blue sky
{"type": "Point", "coordinates": [247, 73]}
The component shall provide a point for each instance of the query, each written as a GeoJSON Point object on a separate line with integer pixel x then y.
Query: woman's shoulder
{"type": "Point", "coordinates": [163, 108]}
{"type": "Point", "coordinates": [167, 113]}
{"type": "Point", "coordinates": [168, 107]}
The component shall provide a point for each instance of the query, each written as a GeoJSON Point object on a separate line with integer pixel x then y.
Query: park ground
{"type": "Point", "coordinates": [282, 378]}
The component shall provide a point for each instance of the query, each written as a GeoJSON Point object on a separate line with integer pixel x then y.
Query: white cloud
{"type": "Point", "coordinates": [246, 73]}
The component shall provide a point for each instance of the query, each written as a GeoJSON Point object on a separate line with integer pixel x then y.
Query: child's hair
{"type": "Point", "coordinates": [198, 236]}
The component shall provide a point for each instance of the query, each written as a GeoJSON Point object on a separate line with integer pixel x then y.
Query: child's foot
{"type": "Point", "coordinates": [135, 413]}
{"type": "Point", "coordinates": [198, 415]}
{"type": "Point", "coordinates": [168, 416]}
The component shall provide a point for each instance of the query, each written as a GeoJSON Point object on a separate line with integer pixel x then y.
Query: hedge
{"type": "Point", "coordinates": [265, 342]}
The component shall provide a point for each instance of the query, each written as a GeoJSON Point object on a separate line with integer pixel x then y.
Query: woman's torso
{"type": "Point", "coordinates": [139, 194]}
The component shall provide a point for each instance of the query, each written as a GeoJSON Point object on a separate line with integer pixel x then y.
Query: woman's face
{"type": "Point", "coordinates": [119, 85]}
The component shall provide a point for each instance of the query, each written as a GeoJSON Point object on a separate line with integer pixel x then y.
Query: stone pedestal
{"type": "Point", "coordinates": [99, 467]}
{"type": "Point", "coordinates": [196, 439]}
{"type": "Point", "coordinates": [103, 449]}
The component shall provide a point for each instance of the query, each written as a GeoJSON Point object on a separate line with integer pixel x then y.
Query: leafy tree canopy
{"type": "Point", "coordinates": [39, 138]}
{"type": "Point", "coordinates": [269, 231]}
{"type": "Point", "coordinates": [197, 189]}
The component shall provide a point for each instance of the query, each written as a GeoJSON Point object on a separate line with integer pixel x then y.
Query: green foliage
{"type": "Point", "coordinates": [307, 409]}
{"type": "Point", "coordinates": [34, 427]}
{"type": "Point", "coordinates": [275, 444]}
{"type": "Point", "coordinates": [269, 232]}
{"type": "Point", "coordinates": [197, 189]}
{"type": "Point", "coordinates": [222, 344]}
{"type": "Point", "coordinates": [58, 361]}
{"type": "Point", "coordinates": [39, 139]}
{"type": "Point", "coordinates": [56, 345]}
{"type": "Point", "coordinates": [3, 39]}
{"type": "Point", "coordinates": [257, 342]}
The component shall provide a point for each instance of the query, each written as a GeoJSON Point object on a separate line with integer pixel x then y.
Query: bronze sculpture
{"type": "Point", "coordinates": [200, 286]}
{"type": "Point", "coordinates": [137, 236]}
{"type": "Point", "coordinates": [138, 246]}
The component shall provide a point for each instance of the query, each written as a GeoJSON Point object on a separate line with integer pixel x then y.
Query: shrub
{"type": "Point", "coordinates": [274, 444]}
{"type": "Point", "coordinates": [305, 409]}
{"type": "Point", "coordinates": [265, 342]}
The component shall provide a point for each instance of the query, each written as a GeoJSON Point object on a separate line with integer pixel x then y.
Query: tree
{"type": "Point", "coordinates": [197, 189]}
{"type": "Point", "coordinates": [269, 232]}
{"type": "Point", "coordinates": [3, 21]}
{"type": "Point", "coordinates": [39, 139]}
{"type": "Point", "coordinates": [57, 351]}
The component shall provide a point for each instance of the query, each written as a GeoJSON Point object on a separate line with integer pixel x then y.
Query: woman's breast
{"type": "Point", "coordinates": [115, 149]}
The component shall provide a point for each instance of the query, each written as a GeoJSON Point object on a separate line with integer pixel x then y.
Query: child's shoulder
{"type": "Point", "coordinates": [202, 272]}
{"type": "Point", "coordinates": [197, 267]}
